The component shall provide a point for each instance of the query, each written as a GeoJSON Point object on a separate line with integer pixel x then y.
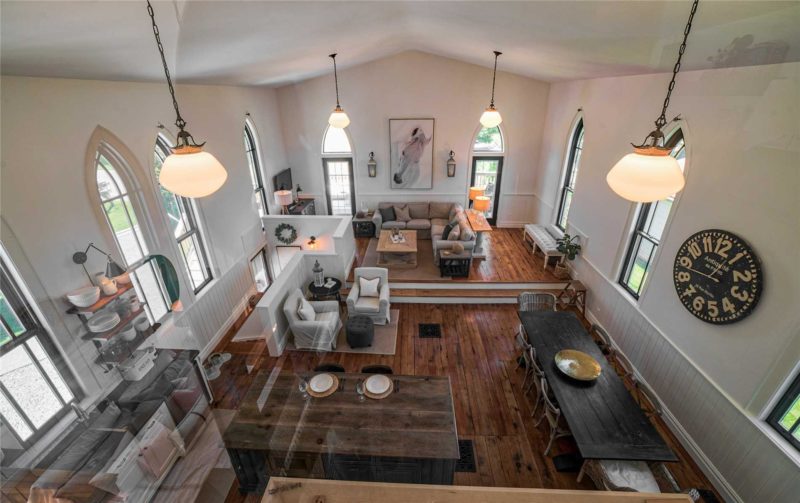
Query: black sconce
{"type": "Point", "coordinates": [112, 268]}
{"type": "Point", "coordinates": [372, 166]}
{"type": "Point", "coordinates": [451, 165]}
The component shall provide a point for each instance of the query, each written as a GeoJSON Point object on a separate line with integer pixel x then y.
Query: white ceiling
{"type": "Point", "coordinates": [274, 43]}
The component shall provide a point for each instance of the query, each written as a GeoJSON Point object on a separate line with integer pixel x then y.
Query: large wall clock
{"type": "Point", "coordinates": [717, 276]}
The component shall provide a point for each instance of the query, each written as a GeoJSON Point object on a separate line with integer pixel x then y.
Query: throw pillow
{"type": "Point", "coordinates": [467, 234]}
{"type": "Point", "coordinates": [402, 213]}
{"type": "Point", "coordinates": [387, 214]}
{"type": "Point", "coordinates": [305, 310]}
{"type": "Point", "coordinates": [455, 233]}
{"type": "Point", "coordinates": [446, 230]}
{"type": "Point", "coordinates": [369, 287]}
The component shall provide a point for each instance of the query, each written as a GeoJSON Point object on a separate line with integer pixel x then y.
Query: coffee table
{"type": "Point", "coordinates": [398, 255]}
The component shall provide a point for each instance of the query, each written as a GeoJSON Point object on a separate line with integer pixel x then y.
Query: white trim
{"type": "Point", "coordinates": [268, 189]}
{"type": "Point", "coordinates": [579, 118]}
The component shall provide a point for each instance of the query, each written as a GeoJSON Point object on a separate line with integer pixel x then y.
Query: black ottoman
{"type": "Point", "coordinates": [360, 331]}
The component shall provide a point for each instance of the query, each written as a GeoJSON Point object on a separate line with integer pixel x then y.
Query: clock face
{"type": "Point", "coordinates": [717, 276]}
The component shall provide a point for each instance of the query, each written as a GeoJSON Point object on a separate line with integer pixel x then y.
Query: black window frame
{"type": "Point", "coordinates": [349, 161]}
{"type": "Point", "coordinates": [23, 309]}
{"type": "Point", "coordinates": [251, 151]}
{"type": "Point", "coordinates": [163, 149]}
{"type": "Point", "coordinates": [262, 255]}
{"type": "Point", "coordinates": [568, 186]}
{"type": "Point", "coordinates": [639, 233]}
{"type": "Point", "coordinates": [781, 408]}
{"type": "Point", "coordinates": [499, 179]}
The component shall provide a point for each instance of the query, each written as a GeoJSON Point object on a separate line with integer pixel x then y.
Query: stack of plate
{"type": "Point", "coordinates": [103, 322]}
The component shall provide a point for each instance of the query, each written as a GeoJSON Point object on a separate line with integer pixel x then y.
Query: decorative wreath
{"type": "Point", "coordinates": [286, 234]}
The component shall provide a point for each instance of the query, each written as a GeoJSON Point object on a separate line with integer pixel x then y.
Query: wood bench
{"type": "Point", "coordinates": [543, 237]}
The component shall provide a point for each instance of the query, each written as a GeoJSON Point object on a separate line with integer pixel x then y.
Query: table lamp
{"type": "Point", "coordinates": [481, 204]}
{"type": "Point", "coordinates": [475, 192]}
{"type": "Point", "coordinates": [283, 198]}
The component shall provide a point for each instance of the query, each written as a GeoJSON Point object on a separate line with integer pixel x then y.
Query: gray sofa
{"type": "Point", "coordinates": [429, 220]}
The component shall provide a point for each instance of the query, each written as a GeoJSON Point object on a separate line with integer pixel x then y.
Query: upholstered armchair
{"type": "Point", "coordinates": [377, 308]}
{"type": "Point", "coordinates": [319, 333]}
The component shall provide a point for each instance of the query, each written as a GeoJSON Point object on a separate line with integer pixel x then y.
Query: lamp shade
{"type": "Point", "coordinates": [647, 175]}
{"type": "Point", "coordinates": [192, 174]}
{"type": "Point", "coordinates": [491, 118]}
{"type": "Point", "coordinates": [283, 197]}
{"type": "Point", "coordinates": [338, 118]}
{"type": "Point", "coordinates": [475, 192]}
{"type": "Point", "coordinates": [481, 204]}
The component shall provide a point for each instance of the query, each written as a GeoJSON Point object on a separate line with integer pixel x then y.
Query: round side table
{"type": "Point", "coordinates": [321, 292]}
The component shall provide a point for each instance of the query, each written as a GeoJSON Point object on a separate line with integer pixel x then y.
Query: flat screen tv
{"type": "Point", "coordinates": [283, 180]}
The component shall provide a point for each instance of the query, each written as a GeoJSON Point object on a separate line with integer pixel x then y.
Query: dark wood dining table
{"type": "Point", "coordinates": [605, 420]}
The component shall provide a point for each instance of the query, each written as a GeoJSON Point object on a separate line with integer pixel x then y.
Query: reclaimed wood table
{"type": "Point", "coordinates": [602, 415]}
{"type": "Point", "coordinates": [408, 437]}
{"type": "Point", "coordinates": [480, 225]}
{"type": "Point", "coordinates": [401, 255]}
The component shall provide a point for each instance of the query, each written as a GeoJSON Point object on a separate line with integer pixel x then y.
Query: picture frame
{"type": "Point", "coordinates": [411, 146]}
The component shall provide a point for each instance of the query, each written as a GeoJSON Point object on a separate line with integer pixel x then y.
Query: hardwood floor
{"type": "Point", "coordinates": [478, 353]}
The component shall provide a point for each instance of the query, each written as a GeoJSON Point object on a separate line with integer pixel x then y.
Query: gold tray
{"type": "Point", "coordinates": [577, 365]}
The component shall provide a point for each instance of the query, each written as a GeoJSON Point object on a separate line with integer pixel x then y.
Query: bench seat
{"type": "Point", "coordinates": [543, 237]}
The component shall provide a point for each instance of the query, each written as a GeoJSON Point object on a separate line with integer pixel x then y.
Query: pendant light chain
{"type": "Point", "coordinates": [662, 119]}
{"type": "Point", "coordinates": [494, 76]}
{"type": "Point", "coordinates": [335, 78]}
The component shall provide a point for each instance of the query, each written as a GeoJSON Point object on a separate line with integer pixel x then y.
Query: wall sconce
{"type": "Point", "coordinates": [372, 166]}
{"type": "Point", "coordinates": [451, 165]}
{"type": "Point", "coordinates": [312, 243]}
{"type": "Point", "coordinates": [113, 269]}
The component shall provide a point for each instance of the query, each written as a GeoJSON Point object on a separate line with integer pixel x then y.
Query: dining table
{"type": "Point", "coordinates": [603, 417]}
{"type": "Point", "coordinates": [281, 429]}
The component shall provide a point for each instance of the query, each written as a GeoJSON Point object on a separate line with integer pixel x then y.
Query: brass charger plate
{"type": "Point", "coordinates": [328, 392]}
{"type": "Point", "coordinates": [577, 365]}
{"type": "Point", "coordinates": [382, 395]}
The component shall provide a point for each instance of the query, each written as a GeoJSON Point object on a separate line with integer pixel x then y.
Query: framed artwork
{"type": "Point", "coordinates": [285, 254]}
{"type": "Point", "coordinates": [411, 153]}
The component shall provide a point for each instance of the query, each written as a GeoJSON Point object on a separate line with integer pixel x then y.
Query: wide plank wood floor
{"type": "Point", "coordinates": [477, 352]}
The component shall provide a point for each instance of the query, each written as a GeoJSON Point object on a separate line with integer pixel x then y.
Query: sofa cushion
{"type": "Point", "coordinates": [368, 305]}
{"type": "Point", "coordinates": [387, 214]}
{"type": "Point", "coordinates": [436, 231]}
{"type": "Point", "coordinates": [455, 211]}
{"type": "Point", "coordinates": [419, 210]}
{"type": "Point", "coordinates": [418, 224]}
{"type": "Point", "coordinates": [393, 225]}
{"type": "Point", "coordinates": [305, 311]}
{"type": "Point", "coordinates": [440, 210]}
{"type": "Point", "coordinates": [328, 317]}
{"type": "Point", "coordinates": [439, 221]}
{"type": "Point", "coordinates": [467, 234]}
{"type": "Point", "coordinates": [402, 213]}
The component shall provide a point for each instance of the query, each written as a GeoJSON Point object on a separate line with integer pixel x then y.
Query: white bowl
{"type": "Point", "coordinates": [84, 297]}
{"type": "Point", "coordinates": [128, 334]}
{"type": "Point", "coordinates": [124, 278]}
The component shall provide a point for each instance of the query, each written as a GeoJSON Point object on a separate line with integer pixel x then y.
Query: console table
{"type": "Point", "coordinates": [480, 225]}
{"type": "Point", "coordinates": [303, 207]}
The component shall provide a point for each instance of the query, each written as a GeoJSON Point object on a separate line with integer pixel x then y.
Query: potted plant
{"type": "Point", "coordinates": [568, 245]}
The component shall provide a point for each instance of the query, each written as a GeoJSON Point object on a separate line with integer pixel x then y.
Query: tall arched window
{"type": "Point", "coordinates": [337, 165]}
{"type": "Point", "coordinates": [487, 167]}
{"type": "Point", "coordinates": [251, 150]}
{"type": "Point", "coordinates": [125, 224]}
{"type": "Point", "coordinates": [651, 221]}
{"type": "Point", "coordinates": [570, 176]}
{"type": "Point", "coordinates": [182, 221]}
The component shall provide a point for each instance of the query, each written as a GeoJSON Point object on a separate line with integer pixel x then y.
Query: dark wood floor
{"type": "Point", "coordinates": [477, 352]}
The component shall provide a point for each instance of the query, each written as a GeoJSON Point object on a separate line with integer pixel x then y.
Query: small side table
{"type": "Point", "coordinates": [364, 227]}
{"type": "Point", "coordinates": [455, 265]}
{"type": "Point", "coordinates": [574, 294]}
{"type": "Point", "coordinates": [321, 292]}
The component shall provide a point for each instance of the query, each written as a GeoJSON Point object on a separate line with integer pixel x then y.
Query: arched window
{"type": "Point", "coordinates": [487, 167]}
{"type": "Point", "coordinates": [337, 165]}
{"type": "Point", "coordinates": [182, 222]}
{"type": "Point", "coordinates": [251, 150]}
{"type": "Point", "coordinates": [125, 224]}
{"type": "Point", "coordinates": [651, 220]}
{"type": "Point", "coordinates": [570, 176]}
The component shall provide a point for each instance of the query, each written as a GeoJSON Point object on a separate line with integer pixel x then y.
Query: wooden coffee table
{"type": "Point", "coordinates": [399, 255]}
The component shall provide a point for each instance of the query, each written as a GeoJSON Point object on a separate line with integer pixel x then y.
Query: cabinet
{"type": "Point", "coordinates": [363, 227]}
{"type": "Point", "coordinates": [303, 207]}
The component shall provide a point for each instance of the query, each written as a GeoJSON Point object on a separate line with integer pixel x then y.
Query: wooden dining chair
{"type": "Point", "coordinates": [537, 376]}
{"type": "Point", "coordinates": [329, 367]}
{"type": "Point", "coordinates": [558, 426]}
{"type": "Point", "coordinates": [377, 369]}
{"type": "Point", "coordinates": [623, 365]}
{"type": "Point", "coordinates": [620, 475]}
{"type": "Point", "coordinates": [647, 399]}
{"type": "Point", "coordinates": [526, 358]}
{"type": "Point", "coordinates": [601, 338]}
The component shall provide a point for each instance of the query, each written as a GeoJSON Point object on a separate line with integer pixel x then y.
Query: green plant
{"type": "Point", "coordinates": [568, 245]}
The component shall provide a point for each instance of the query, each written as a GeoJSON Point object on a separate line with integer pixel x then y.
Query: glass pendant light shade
{"type": "Point", "coordinates": [193, 173]}
{"type": "Point", "coordinates": [491, 118]}
{"type": "Point", "coordinates": [338, 118]}
{"type": "Point", "coordinates": [647, 175]}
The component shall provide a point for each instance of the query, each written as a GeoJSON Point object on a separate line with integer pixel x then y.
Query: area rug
{"type": "Point", "coordinates": [384, 342]}
{"type": "Point", "coordinates": [425, 270]}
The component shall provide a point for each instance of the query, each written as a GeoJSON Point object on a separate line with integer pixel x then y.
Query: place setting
{"type": "Point", "coordinates": [320, 386]}
{"type": "Point", "coordinates": [377, 387]}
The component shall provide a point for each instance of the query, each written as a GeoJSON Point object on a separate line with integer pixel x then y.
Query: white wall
{"type": "Point", "coordinates": [743, 139]}
{"type": "Point", "coordinates": [47, 124]}
{"type": "Point", "coordinates": [416, 84]}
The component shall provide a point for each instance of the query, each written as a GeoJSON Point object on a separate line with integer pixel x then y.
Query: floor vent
{"type": "Point", "coordinates": [430, 331]}
{"type": "Point", "coordinates": [466, 453]}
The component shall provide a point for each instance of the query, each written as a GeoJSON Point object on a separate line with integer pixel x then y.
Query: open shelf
{"type": "Point", "coordinates": [102, 302]}
{"type": "Point", "coordinates": [108, 334]}
{"type": "Point", "coordinates": [126, 348]}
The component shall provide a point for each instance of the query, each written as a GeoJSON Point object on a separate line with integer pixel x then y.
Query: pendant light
{"type": "Point", "coordinates": [491, 117]}
{"type": "Point", "coordinates": [650, 173]}
{"type": "Point", "coordinates": [188, 171]}
{"type": "Point", "coordinates": [338, 118]}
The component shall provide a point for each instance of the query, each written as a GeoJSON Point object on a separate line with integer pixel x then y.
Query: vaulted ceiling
{"type": "Point", "coordinates": [274, 43]}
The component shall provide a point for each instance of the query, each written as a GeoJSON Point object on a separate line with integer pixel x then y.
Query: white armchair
{"type": "Point", "coordinates": [377, 308]}
{"type": "Point", "coordinates": [319, 333]}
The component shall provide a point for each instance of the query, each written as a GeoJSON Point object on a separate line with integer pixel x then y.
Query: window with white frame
{"type": "Point", "coordinates": [337, 166]}
{"type": "Point", "coordinates": [785, 417]}
{"type": "Point", "coordinates": [182, 221]}
{"type": "Point", "coordinates": [36, 387]}
{"type": "Point", "coordinates": [121, 216]}
{"type": "Point", "coordinates": [570, 176]}
{"type": "Point", "coordinates": [251, 150]}
{"type": "Point", "coordinates": [651, 219]}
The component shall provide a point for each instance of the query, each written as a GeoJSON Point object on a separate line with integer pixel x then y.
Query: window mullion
{"type": "Point", "coordinates": [43, 373]}
{"type": "Point", "coordinates": [17, 407]}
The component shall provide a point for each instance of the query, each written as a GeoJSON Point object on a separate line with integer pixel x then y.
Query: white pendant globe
{"type": "Point", "coordinates": [192, 174]}
{"type": "Point", "coordinates": [338, 118]}
{"type": "Point", "coordinates": [646, 176]}
{"type": "Point", "coordinates": [491, 118]}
